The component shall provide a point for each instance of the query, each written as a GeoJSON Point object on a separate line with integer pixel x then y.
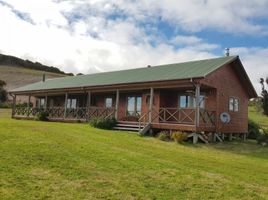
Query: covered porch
{"type": "Point", "coordinates": [170, 108]}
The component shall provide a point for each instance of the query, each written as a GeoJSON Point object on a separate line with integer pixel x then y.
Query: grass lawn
{"type": "Point", "coordinates": [45, 160]}
{"type": "Point", "coordinates": [257, 116]}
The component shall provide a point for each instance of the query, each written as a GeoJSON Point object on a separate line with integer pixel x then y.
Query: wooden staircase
{"type": "Point", "coordinates": [127, 126]}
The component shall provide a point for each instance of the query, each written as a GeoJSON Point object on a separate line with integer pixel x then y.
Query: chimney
{"type": "Point", "coordinates": [227, 52]}
{"type": "Point", "coordinates": [44, 77]}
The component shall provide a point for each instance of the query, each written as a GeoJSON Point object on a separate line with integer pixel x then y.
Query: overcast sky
{"type": "Point", "coordinates": [89, 36]}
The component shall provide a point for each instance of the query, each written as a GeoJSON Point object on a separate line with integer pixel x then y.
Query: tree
{"type": "Point", "coordinates": [264, 95]}
{"type": "Point", "coordinates": [3, 92]}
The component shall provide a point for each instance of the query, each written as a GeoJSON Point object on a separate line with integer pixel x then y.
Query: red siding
{"type": "Point", "coordinates": [228, 85]}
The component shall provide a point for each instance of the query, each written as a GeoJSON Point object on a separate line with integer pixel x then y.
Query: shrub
{"type": "Point", "coordinates": [42, 116]}
{"type": "Point", "coordinates": [164, 136]}
{"type": "Point", "coordinates": [263, 137]}
{"type": "Point", "coordinates": [179, 136]}
{"type": "Point", "coordinates": [5, 105]}
{"type": "Point", "coordinates": [253, 129]}
{"type": "Point", "coordinates": [102, 123]}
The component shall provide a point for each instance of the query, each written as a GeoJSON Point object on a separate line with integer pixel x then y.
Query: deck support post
{"type": "Point", "coordinates": [195, 138]}
{"type": "Point", "coordinates": [65, 105]}
{"type": "Point", "coordinates": [117, 104]}
{"type": "Point", "coordinates": [244, 137]}
{"type": "Point", "coordinates": [28, 105]}
{"type": "Point", "coordinates": [151, 104]}
{"type": "Point", "coordinates": [230, 136]}
{"type": "Point", "coordinates": [88, 104]}
{"type": "Point", "coordinates": [13, 106]}
{"type": "Point", "coordinates": [197, 99]}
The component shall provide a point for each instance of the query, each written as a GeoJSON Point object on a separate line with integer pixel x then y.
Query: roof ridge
{"type": "Point", "coordinates": [154, 66]}
{"type": "Point", "coordinates": [174, 71]}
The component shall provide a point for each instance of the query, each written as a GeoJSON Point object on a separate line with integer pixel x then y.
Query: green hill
{"type": "Point", "coordinates": [17, 72]}
{"type": "Point", "coordinates": [256, 116]}
{"type": "Point", "coordinates": [12, 61]}
{"type": "Point", "coordinates": [19, 76]}
{"type": "Point", "coordinates": [45, 160]}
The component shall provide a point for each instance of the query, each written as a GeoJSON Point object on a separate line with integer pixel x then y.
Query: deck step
{"type": "Point", "coordinates": [127, 126]}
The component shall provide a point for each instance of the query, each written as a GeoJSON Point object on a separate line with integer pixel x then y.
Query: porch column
{"type": "Point", "coordinates": [88, 99]}
{"type": "Point", "coordinates": [65, 105]}
{"type": "Point", "coordinates": [117, 104]}
{"type": "Point", "coordinates": [151, 104]}
{"type": "Point", "coordinates": [28, 105]}
{"type": "Point", "coordinates": [45, 106]}
{"type": "Point", "coordinates": [13, 106]}
{"type": "Point", "coordinates": [88, 104]}
{"type": "Point", "coordinates": [197, 97]}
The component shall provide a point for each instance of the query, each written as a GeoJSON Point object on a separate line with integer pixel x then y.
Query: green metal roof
{"type": "Point", "coordinates": [177, 71]}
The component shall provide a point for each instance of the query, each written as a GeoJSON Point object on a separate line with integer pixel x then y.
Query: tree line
{"type": "Point", "coordinates": [17, 62]}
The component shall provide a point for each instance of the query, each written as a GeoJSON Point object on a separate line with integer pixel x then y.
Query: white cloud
{"type": "Point", "coordinates": [89, 36]}
{"type": "Point", "coordinates": [255, 62]}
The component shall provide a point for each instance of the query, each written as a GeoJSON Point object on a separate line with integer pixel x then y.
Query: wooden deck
{"type": "Point", "coordinates": [163, 119]}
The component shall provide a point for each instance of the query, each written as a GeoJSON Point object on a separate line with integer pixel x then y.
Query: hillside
{"type": "Point", "coordinates": [17, 72]}
{"type": "Point", "coordinates": [256, 116]}
{"type": "Point", "coordinates": [19, 76]}
{"type": "Point", "coordinates": [75, 161]}
{"type": "Point", "coordinates": [12, 61]}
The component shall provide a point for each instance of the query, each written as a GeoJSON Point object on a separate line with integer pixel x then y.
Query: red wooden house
{"type": "Point", "coordinates": [192, 96]}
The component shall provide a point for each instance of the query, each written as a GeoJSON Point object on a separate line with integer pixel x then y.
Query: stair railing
{"type": "Point", "coordinates": [144, 120]}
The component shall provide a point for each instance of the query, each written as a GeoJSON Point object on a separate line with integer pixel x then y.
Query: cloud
{"type": "Point", "coordinates": [101, 35]}
{"type": "Point", "coordinates": [255, 62]}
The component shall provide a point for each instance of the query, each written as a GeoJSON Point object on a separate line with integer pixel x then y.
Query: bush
{"type": "Point", "coordinates": [164, 136]}
{"type": "Point", "coordinates": [253, 129]}
{"type": "Point", "coordinates": [263, 137]}
{"type": "Point", "coordinates": [179, 136]}
{"type": "Point", "coordinates": [102, 123]}
{"type": "Point", "coordinates": [42, 116]}
{"type": "Point", "coordinates": [5, 105]}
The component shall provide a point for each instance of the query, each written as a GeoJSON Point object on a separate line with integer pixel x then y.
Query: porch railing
{"type": "Point", "coordinates": [162, 115]}
{"type": "Point", "coordinates": [80, 113]}
{"type": "Point", "coordinates": [179, 116]}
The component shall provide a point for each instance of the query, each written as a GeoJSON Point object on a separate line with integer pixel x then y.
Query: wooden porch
{"type": "Point", "coordinates": [164, 118]}
{"type": "Point", "coordinates": [156, 107]}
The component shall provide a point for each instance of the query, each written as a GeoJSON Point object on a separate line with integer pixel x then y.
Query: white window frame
{"type": "Point", "coordinates": [234, 104]}
{"type": "Point", "coordinates": [110, 105]}
{"type": "Point", "coordinates": [191, 101]}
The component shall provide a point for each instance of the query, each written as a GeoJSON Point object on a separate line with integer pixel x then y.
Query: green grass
{"type": "Point", "coordinates": [257, 116]}
{"type": "Point", "coordinates": [45, 160]}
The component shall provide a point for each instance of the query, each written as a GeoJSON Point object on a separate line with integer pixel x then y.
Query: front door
{"type": "Point", "coordinates": [134, 106]}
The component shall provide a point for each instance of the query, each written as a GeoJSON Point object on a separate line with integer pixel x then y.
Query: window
{"type": "Point", "coordinates": [187, 101]}
{"type": "Point", "coordinates": [40, 103]}
{"type": "Point", "coordinates": [108, 102]}
{"type": "Point", "coordinates": [71, 103]}
{"type": "Point", "coordinates": [233, 104]}
{"type": "Point", "coordinates": [134, 106]}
